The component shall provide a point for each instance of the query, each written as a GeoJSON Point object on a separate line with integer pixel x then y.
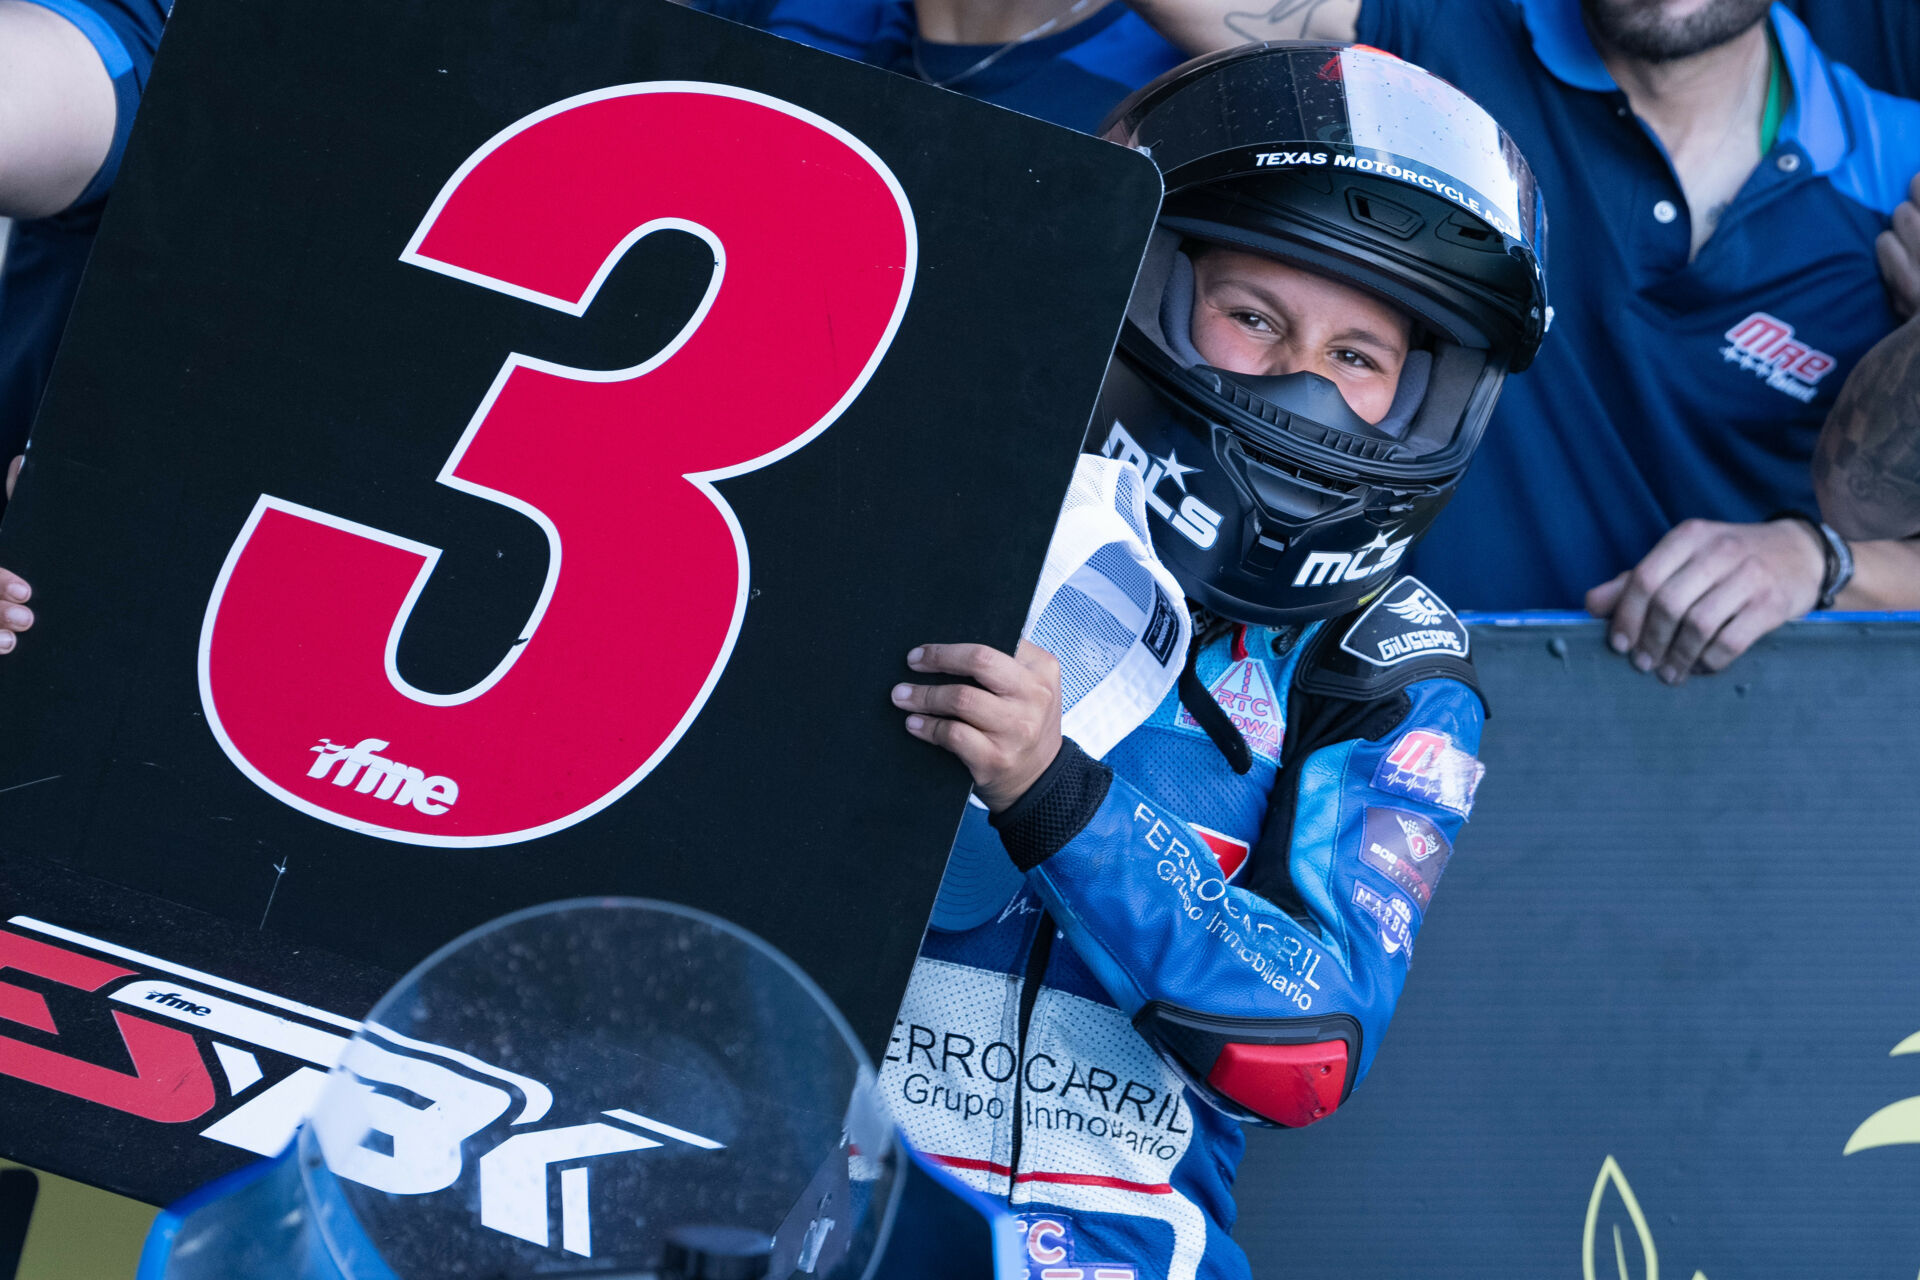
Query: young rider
{"type": "Point", "coordinates": [1211, 924]}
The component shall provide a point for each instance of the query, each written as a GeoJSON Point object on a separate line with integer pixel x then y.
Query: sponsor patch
{"type": "Point", "coordinates": [1163, 629]}
{"type": "Point", "coordinates": [1329, 568]}
{"type": "Point", "coordinates": [1391, 912]}
{"type": "Point", "coordinates": [1407, 849]}
{"type": "Point", "coordinates": [1245, 692]}
{"type": "Point", "coordinates": [1092, 1100]}
{"type": "Point", "coordinates": [1407, 621]}
{"type": "Point", "coordinates": [1232, 853]}
{"type": "Point", "coordinates": [1051, 1254]}
{"type": "Point", "coordinates": [1427, 766]}
{"type": "Point", "coordinates": [1263, 941]}
{"type": "Point", "coordinates": [1193, 520]}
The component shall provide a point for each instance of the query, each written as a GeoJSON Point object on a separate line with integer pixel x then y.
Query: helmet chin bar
{"type": "Point", "coordinates": [1250, 526]}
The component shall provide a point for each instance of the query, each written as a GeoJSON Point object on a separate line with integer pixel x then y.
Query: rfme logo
{"type": "Point", "coordinates": [174, 1000]}
{"type": "Point", "coordinates": [358, 767]}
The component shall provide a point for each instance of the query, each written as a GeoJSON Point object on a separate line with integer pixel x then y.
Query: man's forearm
{"type": "Point", "coordinates": [1201, 26]}
{"type": "Point", "coordinates": [1886, 575]}
{"type": "Point", "coordinates": [56, 111]}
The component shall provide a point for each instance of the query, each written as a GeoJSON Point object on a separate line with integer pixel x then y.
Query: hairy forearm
{"type": "Point", "coordinates": [1866, 466]}
{"type": "Point", "coordinates": [1886, 575]}
{"type": "Point", "coordinates": [56, 111]}
{"type": "Point", "coordinates": [1201, 26]}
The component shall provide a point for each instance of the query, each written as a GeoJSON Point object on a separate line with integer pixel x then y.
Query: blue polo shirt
{"type": "Point", "coordinates": [45, 256]}
{"type": "Point", "coordinates": [1666, 389]}
{"type": "Point", "coordinates": [1072, 77]}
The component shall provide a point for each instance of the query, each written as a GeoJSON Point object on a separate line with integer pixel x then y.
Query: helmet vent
{"type": "Point", "coordinates": [1351, 445]}
{"type": "Point", "coordinates": [1375, 211]}
{"type": "Point", "coordinates": [1339, 441]}
{"type": "Point", "coordinates": [1463, 230]}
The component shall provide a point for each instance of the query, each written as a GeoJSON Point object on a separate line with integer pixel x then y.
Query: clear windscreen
{"type": "Point", "coordinates": [575, 1089]}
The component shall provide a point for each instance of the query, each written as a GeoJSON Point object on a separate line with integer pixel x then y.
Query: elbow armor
{"type": "Point", "coordinates": [1287, 1072]}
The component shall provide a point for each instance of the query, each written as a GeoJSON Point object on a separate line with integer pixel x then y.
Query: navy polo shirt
{"type": "Point", "coordinates": [45, 256]}
{"type": "Point", "coordinates": [1072, 77]}
{"type": "Point", "coordinates": [1665, 389]}
{"type": "Point", "coordinates": [1880, 39]}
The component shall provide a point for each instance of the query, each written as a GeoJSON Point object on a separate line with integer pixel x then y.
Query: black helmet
{"type": "Point", "coordinates": [1273, 501]}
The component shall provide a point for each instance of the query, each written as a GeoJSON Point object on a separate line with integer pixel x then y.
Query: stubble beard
{"type": "Point", "coordinates": [1640, 28]}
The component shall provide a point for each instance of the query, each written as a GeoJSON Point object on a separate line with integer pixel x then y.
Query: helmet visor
{"type": "Point", "coordinates": [1342, 107]}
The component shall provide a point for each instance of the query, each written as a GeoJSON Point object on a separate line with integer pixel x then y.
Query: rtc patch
{"type": "Point", "coordinates": [1407, 849]}
{"type": "Point", "coordinates": [1407, 621]}
{"type": "Point", "coordinates": [1427, 766]}
{"type": "Point", "coordinates": [1245, 692]}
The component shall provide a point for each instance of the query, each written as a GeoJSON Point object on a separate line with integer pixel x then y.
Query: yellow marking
{"type": "Point", "coordinates": [1895, 1125]}
{"type": "Point", "coordinates": [1610, 1173]}
{"type": "Point", "coordinates": [1889, 1126]}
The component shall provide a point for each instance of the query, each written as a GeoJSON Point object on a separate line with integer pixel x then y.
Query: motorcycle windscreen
{"type": "Point", "coordinates": [609, 1084]}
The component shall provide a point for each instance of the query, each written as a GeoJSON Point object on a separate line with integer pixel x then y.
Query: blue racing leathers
{"type": "Point", "coordinates": [1193, 946]}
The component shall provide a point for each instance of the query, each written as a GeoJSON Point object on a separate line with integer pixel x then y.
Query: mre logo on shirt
{"type": "Point", "coordinates": [1767, 348]}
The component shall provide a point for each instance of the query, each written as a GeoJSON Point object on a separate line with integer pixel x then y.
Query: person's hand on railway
{"type": "Point", "coordinates": [1707, 591]}
{"type": "Point", "coordinates": [15, 617]}
{"type": "Point", "coordinates": [1004, 726]}
{"type": "Point", "coordinates": [1898, 250]}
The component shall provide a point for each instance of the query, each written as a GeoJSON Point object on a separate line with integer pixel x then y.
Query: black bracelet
{"type": "Point", "coordinates": [1838, 556]}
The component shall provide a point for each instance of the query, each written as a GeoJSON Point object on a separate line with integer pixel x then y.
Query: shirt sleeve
{"type": "Point", "coordinates": [126, 34]}
{"type": "Point", "coordinates": [865, 30]}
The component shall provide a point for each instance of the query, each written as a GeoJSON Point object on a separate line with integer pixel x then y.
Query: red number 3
{"type": "Point", "coordinates": [814, 250]}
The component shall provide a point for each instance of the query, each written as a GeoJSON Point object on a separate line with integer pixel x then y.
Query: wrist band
{"type": "Point", "coordinates": [1838, 556]}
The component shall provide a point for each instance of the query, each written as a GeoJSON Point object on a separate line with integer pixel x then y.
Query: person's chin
{"type": "Point", "coordinates": [1665, 30]}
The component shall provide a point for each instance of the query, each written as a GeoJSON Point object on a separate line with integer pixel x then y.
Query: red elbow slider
{"type": "Point", "coordinates": [1284, 1071]}
{"type": "Point", "coordinates": [1289, 1084]}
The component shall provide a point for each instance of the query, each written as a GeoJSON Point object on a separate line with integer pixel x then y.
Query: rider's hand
{"type": "Point", "coordinates": [1707, 591]}
{"type": "Point", "coordinates": [14, 591]}
{"type": "Point", "coordinates": [1005, 726]}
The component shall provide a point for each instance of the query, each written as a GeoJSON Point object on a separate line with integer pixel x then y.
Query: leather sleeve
{"type": "Point", "coordinates": [1271, 998]}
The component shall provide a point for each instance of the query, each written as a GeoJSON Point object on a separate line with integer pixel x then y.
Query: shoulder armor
{"type": "Point", "coordinates": [1407, 634]}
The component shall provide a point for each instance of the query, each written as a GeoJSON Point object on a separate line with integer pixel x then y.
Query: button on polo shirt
{"type": "Point", "coordinates": [1666, 388]}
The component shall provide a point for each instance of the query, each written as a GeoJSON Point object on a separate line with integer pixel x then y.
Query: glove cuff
{"type": "Point", "coordinates": [1056, 808]}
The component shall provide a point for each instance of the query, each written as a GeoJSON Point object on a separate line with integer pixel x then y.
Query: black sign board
{"type": "Point", "coordinates": [1664, 1019]}
{"type": "Point", "coordinates": [503, 452]}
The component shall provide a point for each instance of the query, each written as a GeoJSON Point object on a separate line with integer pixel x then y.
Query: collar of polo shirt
{"type": "Point", "coordinates": [1815, 123]}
